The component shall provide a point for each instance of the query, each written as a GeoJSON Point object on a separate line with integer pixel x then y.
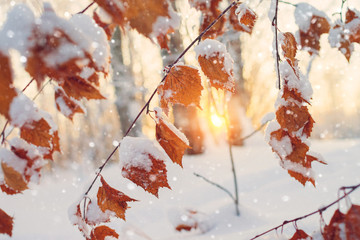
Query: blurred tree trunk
{"type": "Point", "coordinates": [125, 88]}
{"type": "Point", "coordinates": [238, 100]}
{"type": "Point", "coordinates": [185, 118]}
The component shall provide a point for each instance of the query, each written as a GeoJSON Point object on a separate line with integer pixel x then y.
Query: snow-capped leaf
{"type": "Point", "coordinates": [151, 18]}
{"type": "Point", "coordinates": [112, 200]}
{"type": "Point", "coordinates": [182, 85]}
{"type": "Point", "coordinates": [76, 219]}
{"type": "Point", "coordinates": [40, 133]}
{"type": "Point", "coordinates": [13, 179]}
{"type": "Point", "coordinates": [339, 38]}
{"type": "Point", "coordinates": [312, 24]}
{"type": "Point", "coordinates": [143, 163]}
{"type": "Point", "coordinates": [243, 18]}
{"type": "Point", "coordinates": [300, 235]}
{"type": "Point", "coordinates": [216, 63]}
{"type": "Point", "coordinates": [352, 24]}
{"type": "Point", "coordinates": [66, 105]}
{"type": "Point", "coordinates": [6, 223]}
{"type": "Point", "coordinates": [170, 138]}
{"type": "Point", "coordinates": [101, 233]}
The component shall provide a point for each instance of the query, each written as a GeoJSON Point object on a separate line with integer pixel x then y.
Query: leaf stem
{"type": "Point", "coordinates": [289, 3]}
{"type": "Point", "coordinates": [85, 9]}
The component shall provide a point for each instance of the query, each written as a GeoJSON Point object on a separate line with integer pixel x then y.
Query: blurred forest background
{"type": "Point", "coordinates": [137, 69]}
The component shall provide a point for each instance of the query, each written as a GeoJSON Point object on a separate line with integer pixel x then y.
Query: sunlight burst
{"type": "Point", "coordinates": [217, 121]}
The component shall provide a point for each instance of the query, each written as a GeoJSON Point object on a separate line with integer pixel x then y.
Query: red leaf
{"type": "Point", "coordinates": [170, 138]}
{"type": "Point", "coordinates": [101, 232]}
{"type": "Point", "coordinates": [6, 223]}
{"type": "Point", "coordinates": [243, 18]}
{"type": "Point", "coordinates": [182, 85]}
{"type": "Point", "coordinates": [109, 28]}
{"type": "Point", "coordinates": [7, 91]}
{"type": "Point", "coordinates": [143, 164]}
{"type": "Point", "coordinates": [78, 88]}
{"type": "Point", "coordinates": [112, 199]}
{"type": "Point", "coordinates": [352, 222]}
{"type": "Point", "coordinates": [334, 231]}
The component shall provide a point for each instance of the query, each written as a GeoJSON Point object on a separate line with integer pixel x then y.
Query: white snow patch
{"type": "Point", "coordinates": [304, 13]}
{"type": "Point", "coordinates": [135, 151]}
{"type": "Point", "coordinates": [298, 168]}
{"type": "Point", "coordinates": [164, 23]}
{"type": "Point", "coordinates": [94, 215]}
{"type": "Point", "coordinates": [267, 118]}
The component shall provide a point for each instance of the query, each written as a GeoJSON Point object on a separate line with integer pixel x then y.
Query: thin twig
{"type": "Point", "coordinates": [255, 131]}
{"type": "Point", "coordinates": [341, 10]}
{"type": "Point", "coordinates": [289, 3]}
{"type": "Point", "coordinates": [152, 96]}
{"type": "Point", "coordinates": [216, 185]}
{"type": "Point", "coordinates": [85, 9]}
{"type": "Point", "coordinates": [274, 23]}
{"type": "Point", "coordinates": [320, 211]}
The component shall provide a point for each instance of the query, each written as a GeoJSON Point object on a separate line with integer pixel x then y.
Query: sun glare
{"type": "Point", "coordinates": [217, 121]}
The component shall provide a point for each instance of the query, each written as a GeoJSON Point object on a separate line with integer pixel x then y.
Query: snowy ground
{"type": "Point", "coordinates": [268, 196]}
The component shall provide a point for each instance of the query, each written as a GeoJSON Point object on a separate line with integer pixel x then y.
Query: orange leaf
{"type": "Point", "coordinates": [67, 105]}
{"type": "Point", "coordinates": [143, 163]}
{"type": "Point", "coordinates": [13, 179]}
{"type": "Point", "coordinates": [333, 231]}
{"type": "Point", "coordinates": [182, 85]}
{"type": "Point", "coordinates": [352, 222]}
{"type": "Point", "coordinates": [216, 64]}
{"type": "Point", "coordinates": [101, 232]}
{"type": "Point", "coordinates": [152, 18]}
{"type": "Point", "coordinates": [6, 223]}
{"type": "Point", "coordinates": [170, 138]}
{"type": "Point", "coordinates": [78, 88]}
{"type": "Point", "coordinates": [7, 91]}
{"type": "Point", "coordinates": [300, 234]}
{"type": "Point", "coordinates": [313, 23]}
{"type": "Point", "coordinates": [352, 24]}
{"type": "Point", "coordinates": [294, 117]}
{"type": "Point", "coordinates": [217, 29]}
{"type": "Point", "coordinates": [289, 47]}
{"type": "Point", "coordinates": [112, 199]}
{"type": "Point", "coordinates": [39, 133]}
{"type": "Point", "coordinates": [339, 38]}
{"type": "Point", "coordinates": [243, 18]}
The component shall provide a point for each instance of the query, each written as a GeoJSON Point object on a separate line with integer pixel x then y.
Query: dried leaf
{"type": "Point", "coordinates": [334, 231]}
{"type": "Point", "coordinates": [67, 105]}
{"type": "Point", "coordinates": [214, 68]}
{"type": "Point", "coordinates": [339, 38]}
{"type": "Point", "coordinates": [13, 179]}
{"type": "Point", "coordinates": [217, 29]}
{"type": "Point", "coordinates": [289, 47]}
{"type": "Point", "coordinates": [171, 139]}
{"type": "Point", "coordinates": [299, 235]}
{"type": "Point", "coordinates": [39, 133]}
{"type": "Point", "coordinates": [78, 88]}
{"type": "Point", "coordinates": [6, 223]}
{"type": "Point", "coordinates": [151, 181]}
{"type": "Point", "coordinates": [352, 222]}
{"type": "Point", "coordinates": [294, 117]}
{"type": "Point", "coordinates": [182, 85]}
{"type": "Point", "coordinates": [114, 8]}
{"type": "Point", "coordinates": [7, 91]}
{"type": "Point", "coordinates": [112, 199]}
{"type": "Point", "coordinates": [352, 24]}
{"type": "Point", "coordinates": [101, 232]}
{"type": "Point", "coordinates": [243, 18]}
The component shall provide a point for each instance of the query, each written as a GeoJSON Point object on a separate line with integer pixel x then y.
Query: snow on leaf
{"type": "Point", "coordinates": [300, 235]}
{"type": "Point", "coordinates": [170, 138]}
{"type": "Point", "coordinates": [151, 18]}
{"type": "Point", "coordinates": [312, 24]}
{"type": "Point", "coordinates": [102, 232]}
{"type": "Point", "coordinates": [109, 28]}
{"type": "Point", "coordinates": [352, 222]}
{"type": "Point", "coordinates": [189, 219]}
{"type": "Point", "coordinates": [243, 18]}
{"type": "Point", "coordinates": [67, 105]}
{"type": "Point", "coordinates": [339, 38]}
{"type": "Point", "coordinates": [182, 85]}
{"type": "Point", "coordinates": [6, 223]}
{"type": "Point", "coordinates": [336, 227]}
{"type": "Point", "coordinates": [94, 215]}
{"type": "Point", "coordinates": [216, 63]}
{"type": "Point", "coordinates": [13, 179]}
{"type": "Point", "coordinates": [112, 200]}
{"type": "Point", "coordinates": [40, 133]}
{"type": "Point", "coordinates": [142, 162]}
{"type": "Point", "coordinates": [76, 219]}
{"type": "Point", "coordinates": [352, 24]}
